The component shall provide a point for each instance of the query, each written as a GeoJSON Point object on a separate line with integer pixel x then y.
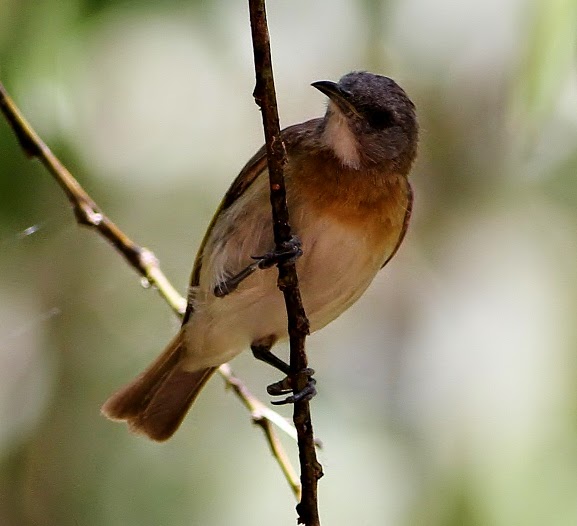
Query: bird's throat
{"type": "Point", "coordinates": [338, 136]}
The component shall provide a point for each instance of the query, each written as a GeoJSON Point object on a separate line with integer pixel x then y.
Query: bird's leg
{"type": "Point", "coordinates": [289, 252]}
{"type": "Point", "coordinates": [224, 288]}
{"type": "Point", "coordinates": [261, 351]}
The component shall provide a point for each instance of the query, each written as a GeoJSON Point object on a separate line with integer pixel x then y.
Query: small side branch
{"type": "Point", "coordinates": [263, 417]}
{"type": "Point", "coordinates": [143, 260]}
{"type": "Point", "coordinates": [298, 325]}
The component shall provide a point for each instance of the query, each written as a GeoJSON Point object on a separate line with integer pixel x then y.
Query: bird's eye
{"type": "Point", "coordinates": [380, 119]}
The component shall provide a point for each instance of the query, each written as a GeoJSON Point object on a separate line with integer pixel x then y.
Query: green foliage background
{"type": "Point", "coordinates": [447, 396]}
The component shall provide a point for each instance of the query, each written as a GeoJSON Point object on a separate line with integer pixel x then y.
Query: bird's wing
{"type": "Point", "coordinates": [408, 211]}
{"type": "Point", "coordinates": [253, 168]}
{"type": "Point", "coordinates": [244, 179]}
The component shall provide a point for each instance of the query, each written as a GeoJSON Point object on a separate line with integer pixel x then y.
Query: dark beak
{"type": "Point", "coordinates": [338, 95]}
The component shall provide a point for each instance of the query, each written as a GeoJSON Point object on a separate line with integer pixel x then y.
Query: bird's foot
{"type": "Point", "coordinates": [284, 386]}
{"type": "Point", "coordinates": [289, 252]}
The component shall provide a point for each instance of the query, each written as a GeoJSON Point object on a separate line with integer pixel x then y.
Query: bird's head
{"type": "Point", "coordinates": [370, 121]}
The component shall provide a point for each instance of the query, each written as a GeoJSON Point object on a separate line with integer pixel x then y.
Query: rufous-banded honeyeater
{"type": "Point", "coordinates": [349, 202]}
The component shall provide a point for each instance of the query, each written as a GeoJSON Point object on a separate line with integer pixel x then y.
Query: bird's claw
{"type": "Point", "coordinates": [284, 386]}
{"type": "Point", "coordinates": [288, 252]}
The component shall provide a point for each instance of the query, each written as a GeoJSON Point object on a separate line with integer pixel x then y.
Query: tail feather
{"type": "Point", "coordinates": [168, 407]}
{"type": "Point", "coordinates": [157, 401]}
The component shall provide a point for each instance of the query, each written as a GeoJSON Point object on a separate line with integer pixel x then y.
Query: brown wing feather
{"type": "Point", "coordinates": [405, 223]}
{"type": "Point", "coordinates": [252, 169]}
{"type": "Point", "coordinates": [244, 179]}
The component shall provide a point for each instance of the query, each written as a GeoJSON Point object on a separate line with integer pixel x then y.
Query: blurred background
{"type": "Point", "coordinates": [447, 395]}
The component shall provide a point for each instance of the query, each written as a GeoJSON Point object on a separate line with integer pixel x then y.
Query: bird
{"type": "Point", "coordinates": [349, 200]}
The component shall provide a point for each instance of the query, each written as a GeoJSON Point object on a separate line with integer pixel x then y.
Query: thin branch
{"type": "Point", "coordinates": [298, 325]}
{"type": "Point", "coordinates": [143, 260]}
{"type": "Point", "coordinates": [85, 209]}
{"type": "Point", "coordinates": [264, 417]}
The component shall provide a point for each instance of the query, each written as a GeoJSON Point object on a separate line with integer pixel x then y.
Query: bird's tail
{"type": "Point", "coordinates": [157, 401]}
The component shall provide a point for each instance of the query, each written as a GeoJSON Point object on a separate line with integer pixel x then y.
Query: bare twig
{"type": "Point", "coordinates": [143, 260]}
{"type": "Point", "coordinates": [298, 325]}
{"type": "Point", "coordinates": [263, 416]}
{"type": "Point", "coordinates": [85, 209]}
